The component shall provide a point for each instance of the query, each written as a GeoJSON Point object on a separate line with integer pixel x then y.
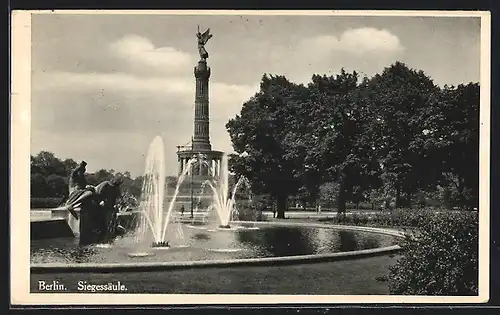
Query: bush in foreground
{"type": "Point", "coordinates": [440, 259]}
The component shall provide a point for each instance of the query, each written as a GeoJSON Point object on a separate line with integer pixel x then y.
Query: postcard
{"type": "Point", "coordinates": [249, 157]}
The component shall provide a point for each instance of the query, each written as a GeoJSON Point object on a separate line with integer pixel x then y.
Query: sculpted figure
{"type": "Point", "coordinates": [79, 190]}
{"type": "Point", "coordinates": [107, 195]}
{"type": "Point", "coordinates": [98, 215]}
{"type": "Point", "coordinates": [81, 196]}
{"type": "Point", "coordinates": [202, 40]}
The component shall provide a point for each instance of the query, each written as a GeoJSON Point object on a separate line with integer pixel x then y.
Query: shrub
{"type": "Point", "coordinates": [354, 219]}
{"type": "Point", "coordinates": [127, 201]}
{"type": "Point", "coordinates": [395, 218]}
{"type": "Point", "coordinates": [251, 213]}
{"type": "Point", "coordinates": [440, 259]}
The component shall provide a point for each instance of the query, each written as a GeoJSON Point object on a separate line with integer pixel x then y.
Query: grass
{"type": "Point", "coordinates": [351, 277]}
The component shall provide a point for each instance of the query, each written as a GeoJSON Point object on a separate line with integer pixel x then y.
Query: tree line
{"type": "Point", "coordinates": [50, 176]}
{"type": "Point", "coordinates": [395, 139]}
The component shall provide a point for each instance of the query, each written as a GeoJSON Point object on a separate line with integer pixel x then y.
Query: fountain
{"type": "Point", "coordinates": [223, 202]}
{"type": "Point", "coordinates": [153, 219]}
{"type": "Point", "coordinates": [271, 241]}
{"type": "Point", "coordinates": [197, 209]}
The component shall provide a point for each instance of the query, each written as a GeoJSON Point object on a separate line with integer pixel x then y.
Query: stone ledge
{"type": "Point", "coordinates": [50, 228]}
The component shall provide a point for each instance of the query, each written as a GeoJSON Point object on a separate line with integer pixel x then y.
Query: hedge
{"type": "Point", "coordinates": [440, 259]}
{"type": "Point", "coordinates": [398, 217]}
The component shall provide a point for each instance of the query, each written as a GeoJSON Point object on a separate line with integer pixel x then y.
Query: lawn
{"type": "Point", "coordinates": [351, 277]}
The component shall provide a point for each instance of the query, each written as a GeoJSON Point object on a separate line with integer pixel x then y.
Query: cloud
{"type": "Point", "coordinates": [94, 103]}
{"type": "Point", "coordinates": [117, 82]}
{"type": "Point", "coordinates": [139, 53]}
{"type": "Point", "coordinates": [357, 41]}
{"type": "Point", "coordinates": [366, 50]}
{"type": "Point", "coordinates": [128, 85]}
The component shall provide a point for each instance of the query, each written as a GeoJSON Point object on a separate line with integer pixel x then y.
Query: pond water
{"type": "Point", "coordinates": [196, 243]}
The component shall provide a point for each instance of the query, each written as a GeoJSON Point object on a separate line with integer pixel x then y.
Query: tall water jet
{"type": "Point", "coordinates": [223, 202]}
{"type": "Point", "coordinates": [153, 191]}
{"type": "Point", "coordinates": [153, 218]}
{"type": "Point", "coordinates": [176, 192]}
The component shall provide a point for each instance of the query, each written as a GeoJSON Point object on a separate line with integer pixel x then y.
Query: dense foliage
{"type": "Point", "coordinates": [439, 254]}
{"type": "Point", "coordinates": [395, 140]}
{"type": "Point", "coordinates": [397, 218]}
{"type": "Point", "coordinates": [441, 258]}
{"type": "Point", "coordinates": [50, 175]}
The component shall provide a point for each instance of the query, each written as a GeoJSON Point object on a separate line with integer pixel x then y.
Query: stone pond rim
{"type": "Point", "coordinates": [52, 268]}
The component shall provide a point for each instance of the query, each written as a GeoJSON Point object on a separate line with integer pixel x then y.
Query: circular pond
{"type": "Point", "coordinates": [190, 243]}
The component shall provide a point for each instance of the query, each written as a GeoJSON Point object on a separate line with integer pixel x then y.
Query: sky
{"type": "Point", "coordinates": [103, 86]}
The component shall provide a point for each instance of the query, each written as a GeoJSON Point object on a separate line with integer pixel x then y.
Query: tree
{"type": "Point", "coordinates": [46, 163]}
{"type": "Point", "coordinates": [99, 176]}
{"type": "Point", "coordinates": [342, 147]}
{"type": "Point", "coordinates": [258, 137]}
{"type": "Point", "coordinates": [38, 186]}
{"type": "Point", "coordinates": [454, 132]}
{"type": "Point", "coordinates": [49, 175]}
{"type": "Point", "coordinates": [136, 188]}
{"type": "Point", "coordinates": [171, 182]}
{"type": "Point", "coordinates": [328, 192]}
{"type": "Point", "coordinates": [69, 165]}
{"type": "Point", "coordinates": [404, 100]}
{"type": "Point", "coordinates": [127, 186]}
{"type": "Point", "coordinates": [58, 185]}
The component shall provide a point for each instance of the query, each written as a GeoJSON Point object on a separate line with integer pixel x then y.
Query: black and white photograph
{"type": "Point", "coordinates": [251, 157]}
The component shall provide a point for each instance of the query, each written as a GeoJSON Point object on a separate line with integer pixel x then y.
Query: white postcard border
{"type": "Point", "coordinates": [20, 178]}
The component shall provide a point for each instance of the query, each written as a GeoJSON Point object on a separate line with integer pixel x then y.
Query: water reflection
{"type": "Point", "coordinates": [367, 242]}
{"type": "Point", "coordinates": [218, 245]}
{"type": "Point", "coordinates": [299, 241]}
{"type": "Point", "coordinates": [347, 241]}
{"type": "Point", "coordinates": [279, 241]}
